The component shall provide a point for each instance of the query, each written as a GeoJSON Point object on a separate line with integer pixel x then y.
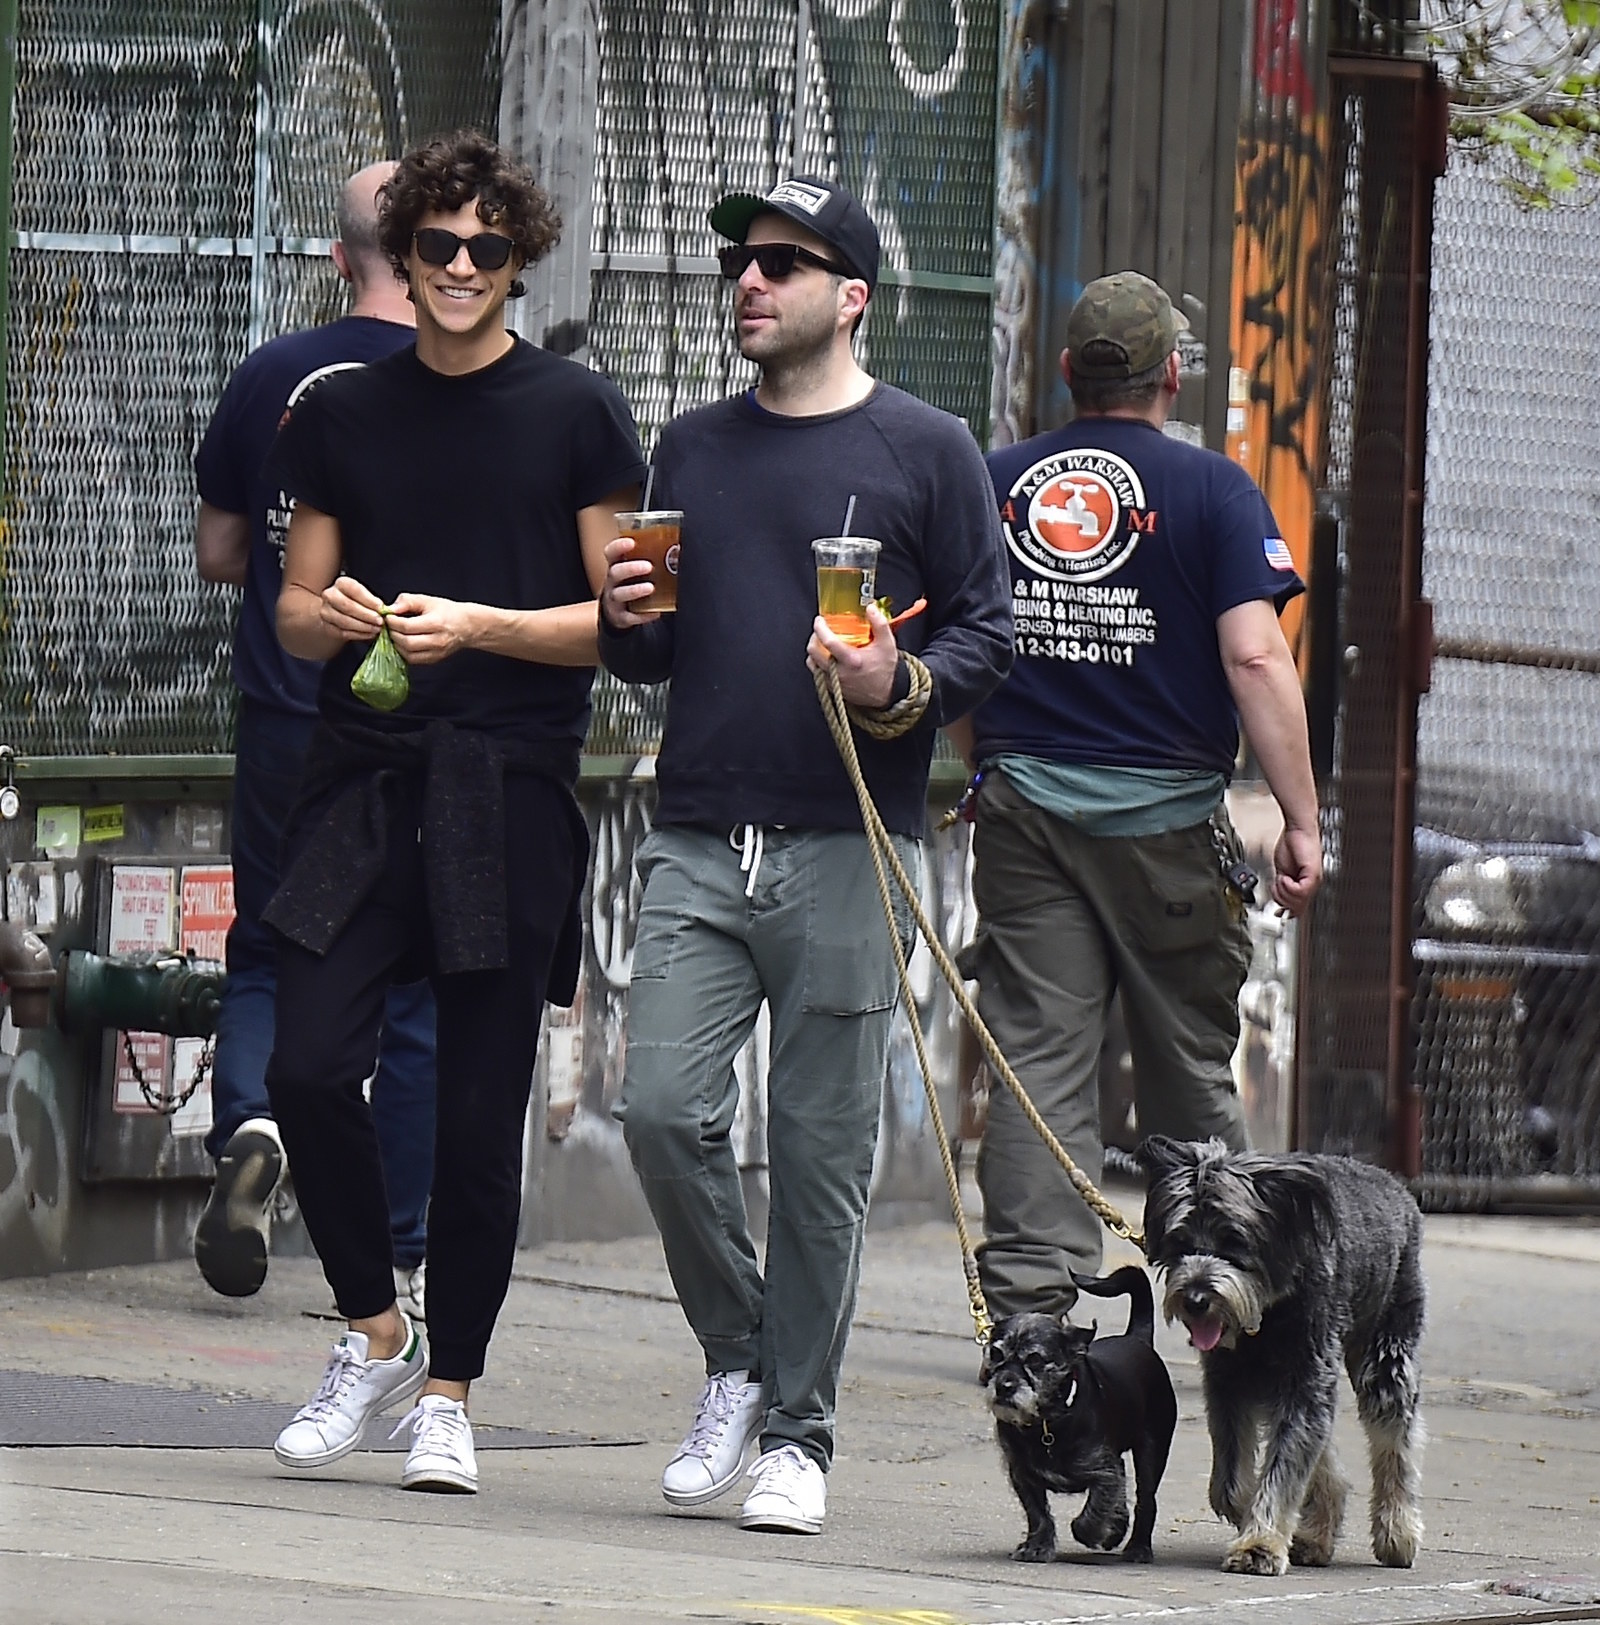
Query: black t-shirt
{"type": "Point", "coordinates": [746, 741]}
{"type": "Point", "coordinates": [467, 488]}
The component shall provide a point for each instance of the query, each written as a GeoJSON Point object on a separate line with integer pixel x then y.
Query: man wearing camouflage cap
{"type": "Point", "coordinates": [1147, 577]}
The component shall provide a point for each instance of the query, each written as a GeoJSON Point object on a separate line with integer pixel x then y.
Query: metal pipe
{"type": "Point", "coordinates": [1515, 654]}
{"type": "Point", "coordinates": [1504, 1193]}
{"type": "Point", "coordinates": [27, 973]}
{"type": "Point", "coordinates": [1427, 123]}
{"type": "Point", "coordinates": [170, 995]}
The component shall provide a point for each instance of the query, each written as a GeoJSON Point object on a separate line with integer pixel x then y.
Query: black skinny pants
{"type": "Point", "coordinates": [329, 1017]}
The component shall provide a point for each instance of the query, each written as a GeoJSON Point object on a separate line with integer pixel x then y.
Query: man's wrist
{"type": "Point", "coordinates": [898, 716]}
{"type": "Point", "coordinates": [481, 622]}
{"type": "Point", "coordinates": [901, 686]}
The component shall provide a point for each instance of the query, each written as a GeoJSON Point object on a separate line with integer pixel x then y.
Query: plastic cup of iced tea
{"type": "Point", "coordinates": [655, 537]}
{"type": "Point", "coordinates": [847, 573]}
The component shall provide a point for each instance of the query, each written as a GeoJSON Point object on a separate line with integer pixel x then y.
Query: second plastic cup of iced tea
{"type": "Point", "coordinates": [655, 537]}
{"type": "Point", "coordinates": [847, 573]}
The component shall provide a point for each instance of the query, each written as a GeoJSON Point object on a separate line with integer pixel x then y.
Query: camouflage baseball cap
{"type": "Point", "coordinates": [1121, 325]}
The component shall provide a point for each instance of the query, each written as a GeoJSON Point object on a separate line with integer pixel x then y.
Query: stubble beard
{"type": "Point", "coordinates": [792, 351]}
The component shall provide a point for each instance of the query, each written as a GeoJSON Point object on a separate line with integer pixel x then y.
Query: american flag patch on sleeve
{"type": "Point", "coordinates": [1277, 551]}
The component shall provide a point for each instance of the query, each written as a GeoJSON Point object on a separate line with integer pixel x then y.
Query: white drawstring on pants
{"type": "Point", "coordinates": [749, 847]}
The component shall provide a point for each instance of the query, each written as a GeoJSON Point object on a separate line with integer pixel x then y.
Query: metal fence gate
{"type": "Point", "coordinates": [1507, 914]}
{"type": "Point", "coordinates": [1386, 148]}
{"type": "Point", "coordinates": [1451, 971]}
{"type": "Point", "coordinates": [175, 176]}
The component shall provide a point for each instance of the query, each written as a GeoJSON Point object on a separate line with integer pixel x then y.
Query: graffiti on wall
{"type": "Point", "coordinates": [34, 1161]}
{"type": "Point", "coordinates": [1024, 82]}
{"type": "Point", "coordinates": [1273, 422]}
{"type": "Point", "coordinates": [895, 100]}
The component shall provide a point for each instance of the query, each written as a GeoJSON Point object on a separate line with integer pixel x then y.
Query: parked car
{"type": "Point", "coordinates": [1506, 937]}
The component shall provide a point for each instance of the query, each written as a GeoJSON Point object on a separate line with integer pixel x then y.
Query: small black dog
{"type": "Point", "coordinates": [1284, 1268]}
{"type": "Point", "coordinates": [1067, 1405]}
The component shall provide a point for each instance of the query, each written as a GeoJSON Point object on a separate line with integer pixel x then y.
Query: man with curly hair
{"type": "Point", "coordinates": [440, 836]}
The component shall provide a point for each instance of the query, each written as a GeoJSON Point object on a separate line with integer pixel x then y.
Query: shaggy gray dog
{"type": "Point", "coordinates": [1284, 1268]}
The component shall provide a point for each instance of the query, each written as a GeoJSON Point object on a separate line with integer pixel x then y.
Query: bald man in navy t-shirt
{"type": "Point", "coordinates": [239, 538]}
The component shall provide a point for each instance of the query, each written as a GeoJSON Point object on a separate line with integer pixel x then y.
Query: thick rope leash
{"type": "Point", "coordinates": [903, 715]}
{"type": "Point", "coordinates": [884, 855]}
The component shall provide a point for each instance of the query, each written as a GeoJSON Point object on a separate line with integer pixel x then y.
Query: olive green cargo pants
{"type": "Point", "coordinates": [1066, 922]}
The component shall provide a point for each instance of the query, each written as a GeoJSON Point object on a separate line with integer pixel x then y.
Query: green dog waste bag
{"type": "Point", "coordinates": [381, 678]}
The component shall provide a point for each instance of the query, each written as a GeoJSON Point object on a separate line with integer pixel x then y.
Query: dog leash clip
{"type": "Point", "coordinates": [1240, 879]}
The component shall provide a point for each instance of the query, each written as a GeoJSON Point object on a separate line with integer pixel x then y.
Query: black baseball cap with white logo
{"type": "Point", "coordinates": [821, 206]}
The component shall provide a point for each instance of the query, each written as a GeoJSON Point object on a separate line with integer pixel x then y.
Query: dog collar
{"type": "Point", "coordinates": [1044, 1423]}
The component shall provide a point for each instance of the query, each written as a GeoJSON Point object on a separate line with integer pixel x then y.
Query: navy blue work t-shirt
{"type": "Point", "coordinates": [1126, 545]}
{"type": "Point", "coordinates": [230, 470]}
{"type": "Point", "coordinates": [467, 487]}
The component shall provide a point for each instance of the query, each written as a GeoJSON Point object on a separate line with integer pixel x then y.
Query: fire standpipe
{"type": "Point", "coordinates": [168, 993]}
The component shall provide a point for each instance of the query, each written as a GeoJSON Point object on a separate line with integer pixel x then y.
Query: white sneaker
{"type": "Point", "coordinates": [726, 1423]}
{"type": "Point", "coordinates": [442, 1457]}
{"type": "Point", "coordinates": [411, 1291]}
{"type": "Point", "coordinates": [791, 1493]}
{"type": "Point", "coordinates": [353, 1390]}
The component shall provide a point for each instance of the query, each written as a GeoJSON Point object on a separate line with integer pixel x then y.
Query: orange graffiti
{"type": "Point", "coordinates": [1273, 425]}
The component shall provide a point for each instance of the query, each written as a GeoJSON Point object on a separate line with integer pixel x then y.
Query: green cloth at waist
{"type": "Point", "coordinates": [1115, 800]}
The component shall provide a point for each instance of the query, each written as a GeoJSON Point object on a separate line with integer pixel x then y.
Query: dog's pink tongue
{"type": "Point", "coordinates": [1206, 1333]}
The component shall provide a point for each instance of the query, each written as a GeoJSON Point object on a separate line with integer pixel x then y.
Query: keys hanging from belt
{"type": "Point", "coordinates": [965, 810]}
{"type": "Point", "coordinates": [1237, 875]}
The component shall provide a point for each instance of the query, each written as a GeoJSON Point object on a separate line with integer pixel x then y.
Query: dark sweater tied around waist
{"type": "Point", "coordinates": [463, 806]}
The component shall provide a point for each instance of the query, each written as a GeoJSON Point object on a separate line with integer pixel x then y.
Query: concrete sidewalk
{"type": "Point", "coordinates": [592, 1348]}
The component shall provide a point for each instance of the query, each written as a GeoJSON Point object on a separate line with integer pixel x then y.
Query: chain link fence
{"type": "Point", "coordinates": [698, 99]}
{"type": "Point", "coordinates": [175, 178]}
{"type": "Point", "coordinates": [1507, 919]}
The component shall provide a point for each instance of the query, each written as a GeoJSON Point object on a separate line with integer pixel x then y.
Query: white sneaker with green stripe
{"type": "Point", "coordinates": [353, 1390]}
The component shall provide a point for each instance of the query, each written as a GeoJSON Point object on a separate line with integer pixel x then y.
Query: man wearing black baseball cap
{"type": "Point", "coordinates": [758, 883]}
{"type": "Point", "coordinates": [822, 207]}
{"type": "Point", "coordinates": [1148, 578]}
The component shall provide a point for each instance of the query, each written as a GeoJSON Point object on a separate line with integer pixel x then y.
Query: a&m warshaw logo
{"type": "Point", "coordinates": [1076, 516]}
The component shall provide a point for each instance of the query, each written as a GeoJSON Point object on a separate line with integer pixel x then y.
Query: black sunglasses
{"type": "Point", "coordinates": [776, 260]}
{"type": "Point", "coordinates": [488, 250]}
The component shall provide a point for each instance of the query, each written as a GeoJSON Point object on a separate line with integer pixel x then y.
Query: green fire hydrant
{"type": "Point", "coordinates": [169, 994]}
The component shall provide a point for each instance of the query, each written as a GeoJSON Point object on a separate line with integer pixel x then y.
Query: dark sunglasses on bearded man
{"type": "Point", "coordinates": [775, 260]}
